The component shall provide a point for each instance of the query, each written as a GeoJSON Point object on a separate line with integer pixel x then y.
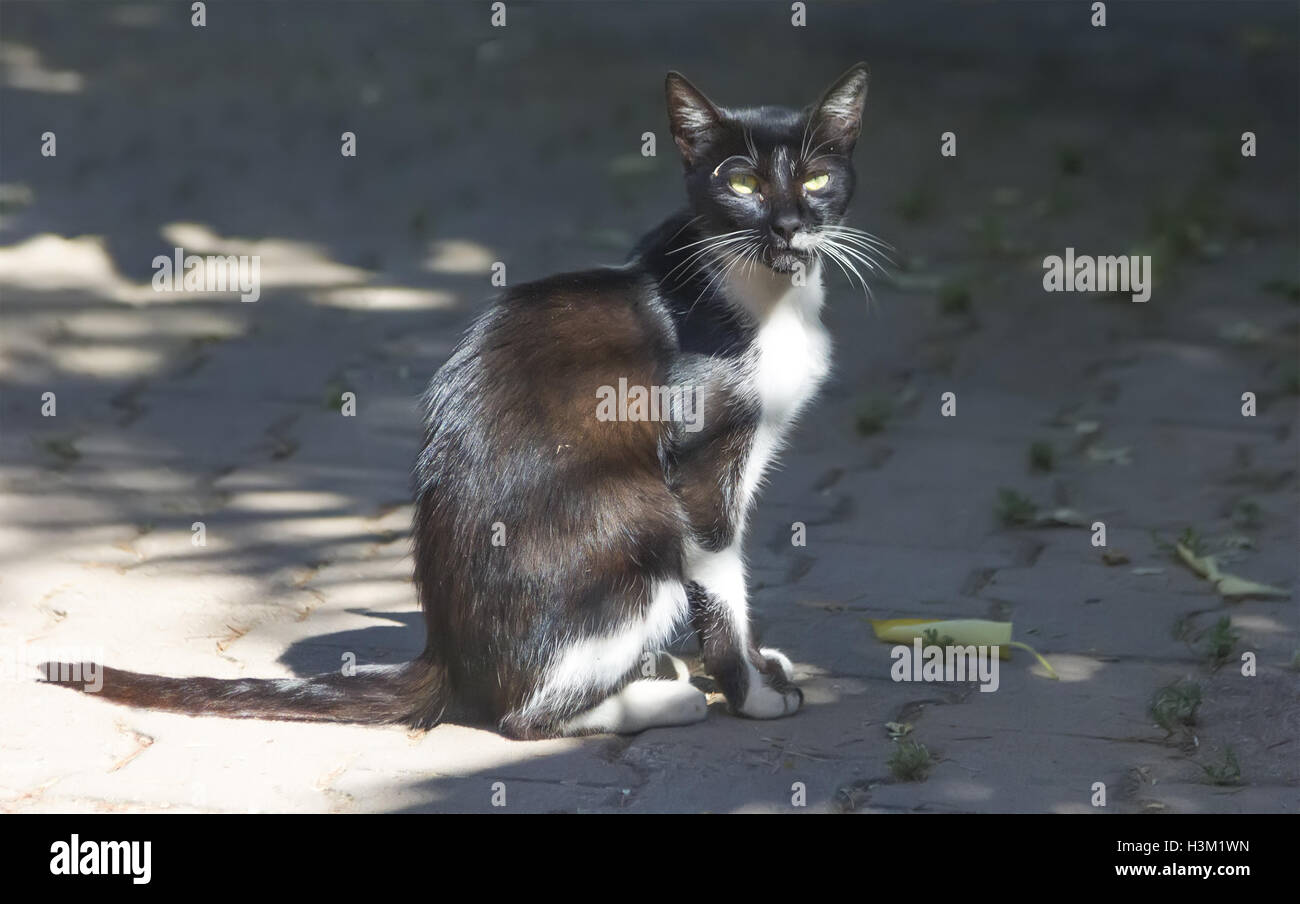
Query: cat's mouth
{"type": "Point", "coordinates": [784, 257]}
{"type": "Point", "coordinates": [784, 254]}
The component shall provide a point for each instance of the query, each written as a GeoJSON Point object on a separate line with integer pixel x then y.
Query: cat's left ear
{"type": "Point", "coordinates": [838, 115]}
{"type": "Point", "coordinates": [694, 120]}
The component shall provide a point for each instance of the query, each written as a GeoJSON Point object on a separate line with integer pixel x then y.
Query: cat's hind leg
{"type": "Point", "coordinates": [637, 705]}
{"type": "Point", "coordinates": [611, 682]}
{"type": "Point", "coordinates": [642, 704]}
{"type": "Point", "coordinates": [664, 698]}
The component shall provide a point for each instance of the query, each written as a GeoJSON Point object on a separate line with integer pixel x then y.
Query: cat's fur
{"type": "Point", "coordinates": [613, 536]}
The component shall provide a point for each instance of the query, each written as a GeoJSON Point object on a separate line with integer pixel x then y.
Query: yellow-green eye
{"type": "Point", "coordinates": [817, 183]}
{"type": "Point", "coordinates": [743, 183]}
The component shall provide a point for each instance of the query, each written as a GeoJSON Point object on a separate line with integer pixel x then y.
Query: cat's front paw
{"type": "Point", "coordinates": [771, 693]}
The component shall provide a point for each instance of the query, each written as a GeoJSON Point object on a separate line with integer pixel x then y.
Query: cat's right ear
{"type": "Point", "coordinates": [694, 120]}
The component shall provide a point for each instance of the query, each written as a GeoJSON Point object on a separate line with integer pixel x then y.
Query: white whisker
{"type": "Point", "coordinates": [838, 255]}
{"type": "Point", "coordinates": [701, 255]}
{"type": "Point", "coordinates": [860, 233]}
{"type": "Point", "coordinates": [710, 238]}
{"type": "Point", "coordinates": [879, 260]}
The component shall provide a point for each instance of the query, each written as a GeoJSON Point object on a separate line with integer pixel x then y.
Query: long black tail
{"type": "Point", "coordinates": [413, 693]}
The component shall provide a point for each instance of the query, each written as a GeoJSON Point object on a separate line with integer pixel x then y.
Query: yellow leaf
{"type": "Point", "coordinates": [1230, 586]}
{"type": "Point", "coordinates": [1233, 587]}
{"type": "Point", "coordinates": [1202, 565]}
{"type": "Point", "coordinates": [963, 631]}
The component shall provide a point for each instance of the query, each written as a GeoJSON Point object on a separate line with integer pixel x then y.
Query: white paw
{"type": "Point", "coordinates": [684, 705]}
{"type": "Point", "coordinates": [762, 702]}
{"type": "Point", "coordinates": [640, 705]}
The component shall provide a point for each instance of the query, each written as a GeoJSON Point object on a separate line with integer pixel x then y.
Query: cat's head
{"type": "Point", "coordinates": [781, 174]}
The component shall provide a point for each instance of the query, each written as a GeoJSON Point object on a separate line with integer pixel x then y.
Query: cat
{"type": "Point", "coordinates": [558, 552]}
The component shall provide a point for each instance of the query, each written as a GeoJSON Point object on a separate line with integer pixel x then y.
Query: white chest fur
{"type": "Point", "coordinates": [788, 361]}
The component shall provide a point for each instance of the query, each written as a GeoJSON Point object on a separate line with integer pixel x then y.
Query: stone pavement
{"type": "Point", "coordinates": [522, 145]}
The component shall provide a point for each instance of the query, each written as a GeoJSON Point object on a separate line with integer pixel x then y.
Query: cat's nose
{"type": "Point", "coordinates": [785, 225]}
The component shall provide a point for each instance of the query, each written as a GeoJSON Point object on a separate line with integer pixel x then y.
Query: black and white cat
{"type": "Point", "coordinates": [612, 535]}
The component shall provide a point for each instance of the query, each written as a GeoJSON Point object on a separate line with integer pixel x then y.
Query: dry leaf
{"type": "Point", "coordinates": [1234, 588]}
{"type": "Point", "coordinates": [1230, 586]}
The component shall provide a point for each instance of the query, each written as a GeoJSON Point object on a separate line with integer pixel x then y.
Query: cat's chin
{"type": "Point", "coordinates": [785, 261]}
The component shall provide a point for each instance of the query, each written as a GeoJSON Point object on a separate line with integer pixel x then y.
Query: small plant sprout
{"type": "Point", "coordinates": [1247, 514]}
{"type": "Point", "coordinates": [931, 638]}
{"type": "Point", "coordinates": [1191, 538]}
{"type": "Point", "coordinates": [873, 414]}
{"type": "Point", "coordinates": [1069, 160]}
{"type": "Point", "coordinates": [916, 205]}
{"type": "Point", "coordinates": [910, 761]}
{"type": "Point", "coordinates": [1014, 509]}
{"type": "Point", "coordinates": [1042, 457]}
{"type": "Point", "coordinates": [1287, 288]}
{"type": "Point", "coordinates": [1174, 707]}
{"type": "Point", "coordinates": [1227, 772]}
{"type": "Point", "coordinates": [333, 395]}
{"type": "Point", "coordinates": [1220, 640]}
{"type": "Point", "coordinates": [954, 299]}
{"type": "Point", "coordinates": [1290, 382]}
{"type": "Point", "coordinates": [62, 450]}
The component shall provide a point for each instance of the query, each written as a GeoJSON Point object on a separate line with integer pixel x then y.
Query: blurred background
{"type": "Point", "coordinates": [522, 144]}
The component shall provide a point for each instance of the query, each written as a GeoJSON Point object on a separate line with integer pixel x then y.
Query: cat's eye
{"type": "Point", "coordinates": [742, 183]}
{"type": "Point", "coordinates": [817, 183]}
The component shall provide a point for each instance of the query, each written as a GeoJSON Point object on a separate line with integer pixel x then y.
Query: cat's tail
{"type": "Point", "coordinates": [413, 693]}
